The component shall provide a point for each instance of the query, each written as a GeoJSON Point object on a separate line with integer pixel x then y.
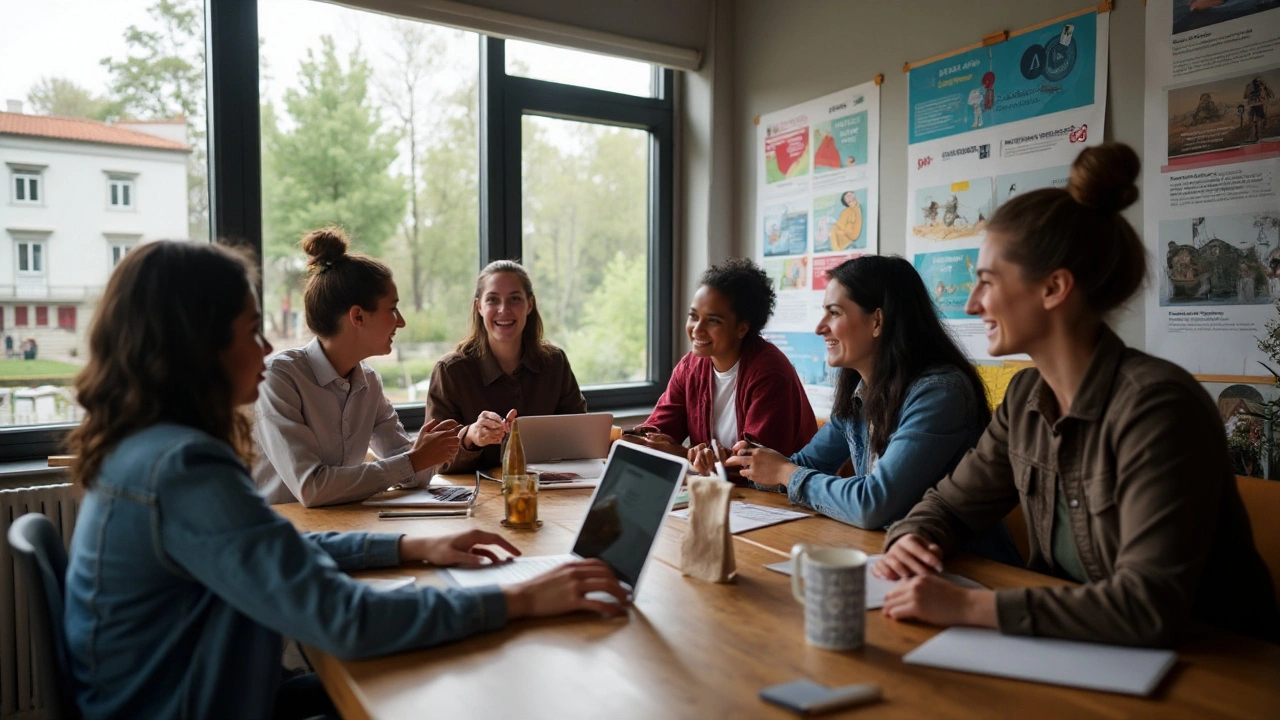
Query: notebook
{"type": "Point", "coordinates": [877, 588]}
{"type": "Point", "coordinates": [625, 514]}
{"type": "Point", "coordinates": [1133, 671]}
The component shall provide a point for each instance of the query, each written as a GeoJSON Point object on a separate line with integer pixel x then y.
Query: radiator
{"type": "Point", "coordinates": [18, 698]}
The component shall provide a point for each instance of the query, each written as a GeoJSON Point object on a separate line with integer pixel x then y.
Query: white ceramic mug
{"type": "Point", "coordinates": [831, 584]}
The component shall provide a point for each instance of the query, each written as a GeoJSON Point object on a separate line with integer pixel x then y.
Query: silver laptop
{"type": "Point", "coordinates": [571, 444]}
{"type": "Point", "coordinates": [626, 512]}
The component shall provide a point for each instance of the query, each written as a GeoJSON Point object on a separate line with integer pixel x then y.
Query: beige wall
{"type": "Point", "coordinates": [788, 52]}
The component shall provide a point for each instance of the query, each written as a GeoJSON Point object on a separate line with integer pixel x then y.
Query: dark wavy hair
{"type": "Point", "coordinates": [912, 338]}
{"type": "Point", "coordinates": [532, 343]}
{"type": "Point", "coordinates": [155, 348]}
{"type": "Point", "coordinates": [748, 288]}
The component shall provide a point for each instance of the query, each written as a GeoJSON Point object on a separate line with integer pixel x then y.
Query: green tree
{"type": "Point", "coordinates": [585, 239]}
{"type": "Point", "coordinates": [162, 77]}
{"type": "Point", "coordinates": [60, 96]}
{"type": "Point", "coordinates": [332, 163]}
{"type": "Point", "coordinates": [611, 344]}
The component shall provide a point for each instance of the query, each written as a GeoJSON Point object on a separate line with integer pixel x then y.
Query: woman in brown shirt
{"type": "Point", "coordinates": [1118, 459]}
{"type": "Point", "coordinates": [503, 370]}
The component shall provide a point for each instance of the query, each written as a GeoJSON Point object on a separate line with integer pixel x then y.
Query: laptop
{"type": "Point", "coordinates": [626, 512]}
{"type": "Point", "coordinates": [459, 497]}
{"type": "Point", "coordinates": [573, 445]}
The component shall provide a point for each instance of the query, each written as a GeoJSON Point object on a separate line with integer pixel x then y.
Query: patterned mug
{"type": "Point", "coordinates": [831, 584]}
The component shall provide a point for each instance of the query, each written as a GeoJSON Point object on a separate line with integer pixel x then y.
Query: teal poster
{"type": "Point", "coordinates": [949, 278]}
{"type": "Point", "coordinates": [1030, 75]}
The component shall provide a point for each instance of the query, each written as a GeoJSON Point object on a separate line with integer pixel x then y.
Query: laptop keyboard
{"type": "Point", "coordinates": [517, 571]}
{"type": "Point", "coordinates": [451, 493]}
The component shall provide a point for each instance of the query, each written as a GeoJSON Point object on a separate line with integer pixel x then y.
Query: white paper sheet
{"type": "Point", "coordinates": [1112, 668]}
{"type": "Point", "coordinates": [747, 516]}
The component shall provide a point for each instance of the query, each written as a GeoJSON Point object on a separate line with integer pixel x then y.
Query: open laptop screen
{"type": "Point", "coordinates": [628, 509]}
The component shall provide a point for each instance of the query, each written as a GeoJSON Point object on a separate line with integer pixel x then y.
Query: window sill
{"type": "Point", "coordinates": [24, 473]}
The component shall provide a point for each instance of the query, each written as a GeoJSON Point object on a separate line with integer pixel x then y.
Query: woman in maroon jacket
{"type": "Point", "coordinates": [733, 383]}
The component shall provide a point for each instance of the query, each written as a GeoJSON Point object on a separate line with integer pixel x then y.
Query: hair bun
{"type": "Point", "coordinates": [325, 247]}
{"type": "Point", "coordinates": [1102, 177]}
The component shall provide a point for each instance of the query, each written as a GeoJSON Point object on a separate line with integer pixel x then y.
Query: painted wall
{"type": "Point", "coordinates": [786, 53]}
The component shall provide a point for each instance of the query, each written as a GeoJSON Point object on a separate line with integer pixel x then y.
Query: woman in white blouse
{"type": "Point", "coordinates": [321, 408]}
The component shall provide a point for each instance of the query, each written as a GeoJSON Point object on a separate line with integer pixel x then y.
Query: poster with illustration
{"type": "Point", "coordinates": [1013, 184]}
{"type": "Point", "coordinates": [986, 124]}
{"type": "Point", "coordinates": [786, 154]}
{"type": "Point", "coordinates": [953, 211]}
{"type": "Point", "coordinates": [949, 277]}
{"type": "Point", "coordinates": [1252, 425]}
{"type": "Point", "coordinates": [1211, 182]}
{"type": "Point", "coordinates": [786, 230]}
{"type": "Point", "coordinates": [817, 204]}
{"type": "Point", "coordinates": [840, 143]}
{"type": "Point", "coordinates": [839, 221]}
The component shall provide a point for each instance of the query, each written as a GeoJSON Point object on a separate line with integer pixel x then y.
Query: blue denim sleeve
{"type": "Point", "coordinates": [934, 426]}
{"type": "Point", "coordinates": [357, 550]}
{"type": "Point", "coordinates": [216, 528]}
{"type": "Point", "coordinates": [827, 451]}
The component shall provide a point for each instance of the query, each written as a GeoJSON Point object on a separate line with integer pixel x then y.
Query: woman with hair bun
{"type": "Point", "coordinates": [1117, 458]}
{"type": "Point", "coordinates": [321, 408]}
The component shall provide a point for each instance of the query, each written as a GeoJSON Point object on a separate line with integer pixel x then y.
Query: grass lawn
{"type": "Point", "coordinates": [36, 368]}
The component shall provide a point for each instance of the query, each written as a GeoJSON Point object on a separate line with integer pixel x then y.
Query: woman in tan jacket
{"type": "Point", "coordinates": [1118, 458]}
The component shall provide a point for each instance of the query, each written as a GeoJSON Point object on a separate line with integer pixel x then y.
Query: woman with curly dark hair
{"type": "Point", "coordinates": [733, 383]}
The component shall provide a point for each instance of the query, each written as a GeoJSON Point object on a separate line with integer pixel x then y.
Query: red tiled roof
{"type": "Point", "coordinates": [78, 129]}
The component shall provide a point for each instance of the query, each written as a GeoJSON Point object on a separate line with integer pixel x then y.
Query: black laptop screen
{"type": "Point", "coordinates": [628, 510]}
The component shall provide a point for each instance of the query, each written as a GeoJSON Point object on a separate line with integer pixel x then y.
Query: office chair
{"type": "Point", "coordinates": [41, 566]}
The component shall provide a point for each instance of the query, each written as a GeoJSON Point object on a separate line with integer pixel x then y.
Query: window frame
{"type": "Point", "coordinates": [20, 174]}
{"type": "Point", "coordinates": [504, 101]}
{"type": "Point", "coordinates": [128, 190]}
{"type": "Point", "coordinates": [235, 184]}
{"type": "Point", "coordinates": [32, 257]}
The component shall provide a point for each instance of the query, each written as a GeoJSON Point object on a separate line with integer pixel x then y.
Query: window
{"type": "Point", "coordinates": [586, 202]}
{"type": "Point", "coordinates": [571, 67]}
{"type": "Point", "coordinates": [132, 80]}
{"type": "Point", "coordinates": [120, 193]}
{"type": "Point", "coordinates": [30, 258]}
{"type": "Point", "coordinates": [27, 188]}
{"type": "Point", "coordinates": [67, 317]}
{"type": "Point", "coordinates": [401, 98]}
{"type": "Point", "coordinates": [118, 251]}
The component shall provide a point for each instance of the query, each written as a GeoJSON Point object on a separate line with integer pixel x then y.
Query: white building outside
{"type": "Point", "coordinates": [78, 195]}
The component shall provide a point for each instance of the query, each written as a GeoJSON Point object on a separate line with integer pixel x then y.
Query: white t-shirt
{"type": "Point", "coordinates": [724, 417]}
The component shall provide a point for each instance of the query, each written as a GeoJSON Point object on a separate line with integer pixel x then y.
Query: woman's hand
{"type": "Point", "coordinates": [910, 556]}
{"type": "Point", "coordinates": [437, 443]}
{"type": "Point", "coordinates": [448, 550]}
{"type": "Point", "coordinates": [564, 590]}
{"type": "Point", "coordinates": [761, 466]}
{"type": "Point", "coordinates": [702, 459]}
{"type": "Point", "coordinates": [488, 429]}
{"type": "Point", "coordinates": [931, 599]}
{"type": "Point", "coordinates": [656, 440]}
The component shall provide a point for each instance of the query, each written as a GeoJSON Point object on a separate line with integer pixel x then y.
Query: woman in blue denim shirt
{"type": "Point", "coordinates": [181, 578]}
{"type": "Point", "coordinates": [908, 403]}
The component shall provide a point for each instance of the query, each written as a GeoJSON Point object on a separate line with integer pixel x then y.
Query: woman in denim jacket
{"type": "Point", "coordinates": [181, 578]}
{"type": "Point", "coordinates": [908, 404]}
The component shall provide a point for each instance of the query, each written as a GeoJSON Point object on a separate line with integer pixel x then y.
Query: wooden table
{"type": "Point", "coordinates": [700, 650]}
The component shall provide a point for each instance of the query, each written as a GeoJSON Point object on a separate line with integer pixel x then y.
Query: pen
{"type": "Point", "coordinates": [398, 514]}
